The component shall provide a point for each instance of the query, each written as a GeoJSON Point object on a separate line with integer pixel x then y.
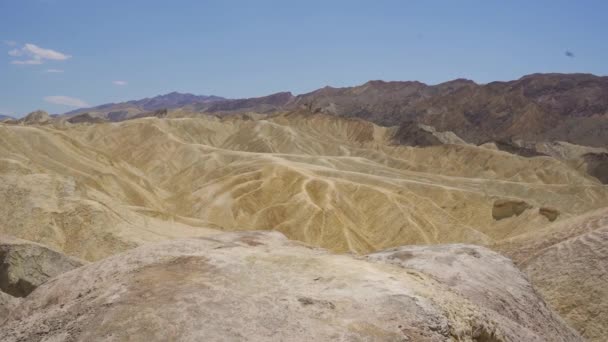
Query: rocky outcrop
{"type": "Point", "coordinates": [260, 286]}
{"type": "Point", "coordinates": [414, 134]}
{"type": "Point", "coordinates": [513, 148]}
{"type": "Point", "coordinates": [85, 118]}
{"type": "Point", "coordinates": [561, 149]}
{"type": "Point", "coordinates": [37, 117]}
{"type": "Point", "coordinates": [505, 208]}
{"type": "Point", "coordinates": [482, 277]}
{"type": "Point", "coordinates": [550, 213]}
{"type": "Point", "coordinates": [161, 113]}
{"type": "Point", "coordinates": [26, 265]}
{"type": "Point", "coordinates": [597, 166]}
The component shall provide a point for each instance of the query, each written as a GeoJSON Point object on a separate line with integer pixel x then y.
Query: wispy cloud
{"type": "Point", "coordinates": [34, 54]}
{"type": "Point", "coordinates": [54, 70]}
{"type": "Point", "coordinates": [33, 61]}
{"type": "Point", "coordinates": [10, 42]}
{"type": "Point", "coordinates": [120, 83]}
{"type": "Point", "coordinates": [569, 53]}
{"type": "Point", "coordinates": [66, 101]}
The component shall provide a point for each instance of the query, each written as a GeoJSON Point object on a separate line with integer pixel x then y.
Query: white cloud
{"type": "Point", "coordinates": [36, 55]}
{"type": "Point", "coordinates": [120, 83]}
{"type": "Point", "coordinates": [10, 42]}
{"type": "Point", "coordinates": [66, 101]}
{"type": "Point", "coordinates": [54, 70]}
{"type": "Point", "coordinates": [45, 53]}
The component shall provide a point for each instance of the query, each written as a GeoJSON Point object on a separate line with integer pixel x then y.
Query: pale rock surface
{"type": "Point", "coordinates": [259, 286]}
{"type": "Point", "coordinates": [25, 265]}
{"type": "Point", "coordinates": [7, 304]}
{"type": "Point", "coordinates": [565, 150]}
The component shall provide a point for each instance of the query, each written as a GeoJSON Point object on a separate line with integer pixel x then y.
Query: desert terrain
{"type": "Point", "coordinates": [95, 190]}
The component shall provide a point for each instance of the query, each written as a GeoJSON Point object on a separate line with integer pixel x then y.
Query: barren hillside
{"type": "Point", "coordinates": [94, 189]}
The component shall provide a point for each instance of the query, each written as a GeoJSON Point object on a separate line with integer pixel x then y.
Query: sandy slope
{"type": "Point", "coordinates": [568, 262]}
{"type": "Point", "coordinates": [93, 190]}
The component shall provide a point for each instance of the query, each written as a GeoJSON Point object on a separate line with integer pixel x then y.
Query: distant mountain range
{"type": "Point", "coordinates": [5, 117]}
{"type": "Point", "coordinates": [570, 107]}
{"type": "Point", "coordinates": [125, 110]}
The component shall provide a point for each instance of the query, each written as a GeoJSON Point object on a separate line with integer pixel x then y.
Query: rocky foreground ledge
{"type": "Point", "coordinates": [259, 286]}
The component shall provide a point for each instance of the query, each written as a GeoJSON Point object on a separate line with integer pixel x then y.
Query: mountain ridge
{"type": "Point", "coordinates": [536, 107]}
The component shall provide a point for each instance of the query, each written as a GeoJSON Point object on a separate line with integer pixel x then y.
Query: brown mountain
{"type": "Point", "coordinates": [385, 103]}
{"type": "Point", "coordinates": [571, 107]}
{"type": "Point", "coordinates": [265, 104]}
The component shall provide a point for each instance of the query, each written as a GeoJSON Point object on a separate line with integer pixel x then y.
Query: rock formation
{"type": "Point", "coordinates": [505, 208]}
{"type": "Point", "coordinates": [26, 265]}
{"type": "Point", "coordinates": [414, 134]}
{"type": "Point", "coordinates": [550, 213]}
{"type": "Point", "coordinates": [37, 117]}
{"type": "Point", "coordinates": [84, 118]}
{"type": "Point", "coordinates": [597, 165]}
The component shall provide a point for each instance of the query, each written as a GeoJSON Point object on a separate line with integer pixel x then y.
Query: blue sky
{"type": "Point", "coordinates": [60, 54]}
